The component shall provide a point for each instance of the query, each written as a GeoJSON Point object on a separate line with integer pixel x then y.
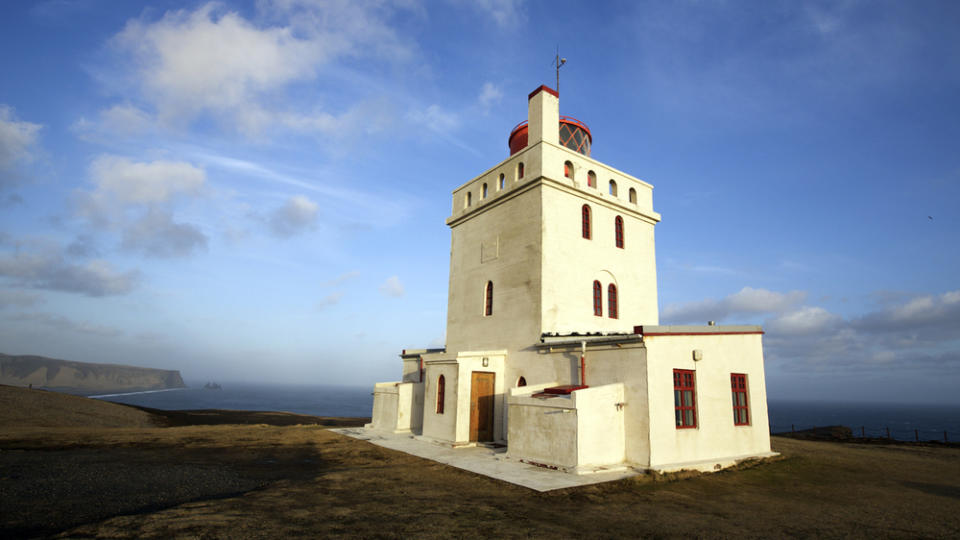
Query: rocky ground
{"type": "Point", "coordinates": [257, 480]}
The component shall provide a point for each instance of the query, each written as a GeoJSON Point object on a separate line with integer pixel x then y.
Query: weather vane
{"type": "Point", "coordinates": [559, 62]}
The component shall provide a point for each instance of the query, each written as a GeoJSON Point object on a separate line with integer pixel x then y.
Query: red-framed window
{"type": "Point", "coordinates": [441, 390]}
{"type": "Point", "coordinates": [585, 218]}
{"type": "Point", "coordinates": [592, 179]}
{"type": "Point", "coordinates": [597, 299]}
{"type": "Point", "coordinates": [488, 300]}
{"type": "Point", "coordinates": [568, 169]}
{"type": "Point", "coordinates": [618, 231]}
{"type": "Point", "coordinates": [612, 301]}
{"type": "Point", "coordinates": [741, 410]}
{"type": "Point", "coordinates": [520, 170]}
{"type": "Point", "coordinates": [684, 398]}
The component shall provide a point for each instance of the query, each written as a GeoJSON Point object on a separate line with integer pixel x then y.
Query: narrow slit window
{"type": "Point", "coordinates": [592, 179]}
{"type": "Point", "coordinates": [613, 188]}
{"type": "Point", "coordinates": [612, 301]}
{"type": "Point", "coordinates": [520, 170]}
{"type": "Point", "coordinates": [488, 300]}
{"type": "Point", "coordinates": [469, 199]}
{"type": "Point", "coordinates": [741, 409]}
{"type": "Point", "coordinates": [684, 398]}
{"type": "Point", "coordinates": [597, 299]}
{"type": "Point", "coordinates": [568, 170]}
{"type": "Point", "coordinates": [633, 196]}
{"type": "Point", "coordinates": [484, 195]}
{"type": "Point", "coordinates": [441, 390]}
{"type": "Point", "coordinates": [503, 181]}
{"type": "Point", "coordinates": [585, 218]}
{"type": "Point", "coordinates": [618, 231]}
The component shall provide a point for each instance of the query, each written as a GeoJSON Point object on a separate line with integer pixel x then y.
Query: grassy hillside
{"type": "Point", "coordinates": [83, 377]}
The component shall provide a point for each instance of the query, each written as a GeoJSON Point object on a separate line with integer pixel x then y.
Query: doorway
{"type": "Point", "coordinates": [481, 406]}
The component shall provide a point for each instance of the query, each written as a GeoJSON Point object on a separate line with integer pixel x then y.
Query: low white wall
{"type": "Point", "coordinates": [397, 407]}
{"type": "Point", "coordinates": [577, 432]}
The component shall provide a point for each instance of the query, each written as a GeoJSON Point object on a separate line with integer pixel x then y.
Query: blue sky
{"type": "Point", "coordinates": [257, 190]}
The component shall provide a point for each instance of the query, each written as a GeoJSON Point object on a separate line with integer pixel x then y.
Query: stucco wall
{"type": "Point", "coordinates": [577, 432]}
{"type": "Point", "coordinates": [440, 426]}
{"type": "Point", "coordinates": [715, 436]}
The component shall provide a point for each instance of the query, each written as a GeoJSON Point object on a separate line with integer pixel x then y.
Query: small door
{"type": "Point", "coordinates": [481, 406]}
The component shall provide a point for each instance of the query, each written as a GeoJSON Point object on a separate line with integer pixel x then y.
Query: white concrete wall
{"type": "Point", "coordinates": [578, 432]}
{"type": "Point", "coordinates": [715, 436]}
{"type": "Point", "coordinates": [443, 426]}
{"type": "Point", "coordinates": [397, 407]}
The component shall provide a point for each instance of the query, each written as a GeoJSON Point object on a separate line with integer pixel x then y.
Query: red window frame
{"type": "Point", "coordinates": [597, 299]}
{"type": "Point", "coordinates": [441, 391]}
{"type": "Point", "coordinates": [741, 407]}
{"type": "Point", "coordinates": [585, 215]}
{"type": "Point", "coordinates": [685, 398]}
{"type": "Point", "coordinates": [618, 231]}
{"type": "Point", "coordinates": [488, 300]}
{"type": "Point", "coordinates": [567, 172]}
{"type": "Point", "coordinates": [612, 311]}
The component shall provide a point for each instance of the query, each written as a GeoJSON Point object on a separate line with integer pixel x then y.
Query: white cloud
{"type": "Point", "coordinates": [130, 182]}
{"type": "Point", "coordinates": [392, 287]}
{"type": "Point", "coordinates": [157, 235]}
{"type": "Point", "coordinates": [435, 118]}
{"type": "Point", "coordinates": [748, 301]}
{"type": "Point", "coordinates": [505, 13]}
{"type": "Point", "coordinates": [62, 324]}
{"type": "Point", "coordinates": [329, 300]}
{"type": "Point", "coordinates": [17, 298]}
{"type": "Point", "coordinates": [50, 270]}
{"type": "Point", "coordinates": [17, 140]}
{"type": "Point", "coordinates": [803, 321]}
{"type": "Point", "coordinates": [490, 94]}
{"type": "Point", "coordinates": [215, 61]}
{"type": "Point", "coordinates": [340, 279]}
{"type": "Point", "coordinates": [297, 215]}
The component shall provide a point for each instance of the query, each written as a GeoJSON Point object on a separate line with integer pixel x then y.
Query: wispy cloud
{"type": "Point", "coordinates": [50, 269]}
{"type": "Point", "coordinates": [747, 301]}
{"type": "Point", "coordinates": [297, 215]}
{"type": "Point", "coordinates": [392, 287]}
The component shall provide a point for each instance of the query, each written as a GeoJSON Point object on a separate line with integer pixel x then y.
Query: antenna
{"type": "Point", "coordinates": [559, 62]}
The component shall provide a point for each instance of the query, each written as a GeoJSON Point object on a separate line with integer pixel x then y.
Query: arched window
{"type": "Point", "coordinates": [484, 194]}
{"type": "Point", "coordinates": [633, 196]}
{"type": "Point", "coordinates": [488, 300]}
{"type": "Point", "coordinates": [568, 169]}
{"type": "Point", "coordinates": [521, 382]}
{"type": "Point", "coordinates": [612, 301]}
{"type": "Point", "coordinates": [597, 299]}
{"type": "Point", "coordinates": [441, 390]}
{"type": "Point", "coordinates": [618, 231]}
{"type": "Point", "coordinates": [469, 199]}
{"type": "Point", "coordinates": [613, 188]}
{"type": "Point", "coordinates": [585, 218]}
{"type": "Point", "coordinates": [502, 181]}
{"type": "Point", "coordinates": [519, 170]}
{"type": "Point", "coordinates": [592, 179]}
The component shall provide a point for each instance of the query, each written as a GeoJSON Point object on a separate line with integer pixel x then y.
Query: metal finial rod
{"type": "Point", "coordinates": [558, 62]}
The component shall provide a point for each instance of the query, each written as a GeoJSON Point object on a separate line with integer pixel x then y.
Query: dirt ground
{"type": "Point", "coordinates": [263, 481]}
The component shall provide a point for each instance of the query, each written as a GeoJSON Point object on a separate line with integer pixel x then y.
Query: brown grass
{"type": "Point", "coordinates": [260, 481]}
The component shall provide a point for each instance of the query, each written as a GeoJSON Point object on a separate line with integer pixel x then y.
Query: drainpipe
{"type": "Point", "coordinates": [583, 363]}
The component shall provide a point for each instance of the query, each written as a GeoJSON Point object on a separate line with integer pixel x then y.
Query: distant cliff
{"type": "Point", "coordinates": [81, 377]}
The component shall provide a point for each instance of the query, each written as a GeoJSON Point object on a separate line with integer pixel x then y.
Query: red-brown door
{"type": "Point", "coordinates": [481, 406]}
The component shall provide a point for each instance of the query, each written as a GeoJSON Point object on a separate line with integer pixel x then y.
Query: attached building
{"type": "Point", "coordinates": [553, 340]}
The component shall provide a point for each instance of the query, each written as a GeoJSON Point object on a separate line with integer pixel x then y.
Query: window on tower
{"type": "Point", "coordinates": [613, 188]}
{"type": "Point", "coordinates": [592, 179]}
{"type": "Point", "coordinates": [568, 169]}
{"type": "Point", "coordinates": [503, 181]}
{"type": "Point", "coordinates": [469, 200]}
{"type": "Point", "coordinates": [597, 299]}
{"type": "Point", "coordinates": [612, 301]}
{"type": "Point", "coordinates": [633, 196]}
{"type": "Point", "coordinates": [585, 219]}
{"type": "Point", "coordinates": [488, 300]}
{"type": "Point", "coordinates": [519, 170]}
{"type": "Point", "coordinates": [618, 231]}
{"type": "Point", "coordinates": [484, 193]}
{"type": "Point", "coordinates": [441, 390]}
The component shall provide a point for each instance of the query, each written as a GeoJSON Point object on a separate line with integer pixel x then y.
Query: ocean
{"type": "Point", "coordinates": [905, 421]}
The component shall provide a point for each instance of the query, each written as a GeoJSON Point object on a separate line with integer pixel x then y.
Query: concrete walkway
{"type": "Point", "coordinates": [490, 462]}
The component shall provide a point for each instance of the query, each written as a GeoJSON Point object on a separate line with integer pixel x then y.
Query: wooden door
{"type": "Point", "coordinates": [481, 406]}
